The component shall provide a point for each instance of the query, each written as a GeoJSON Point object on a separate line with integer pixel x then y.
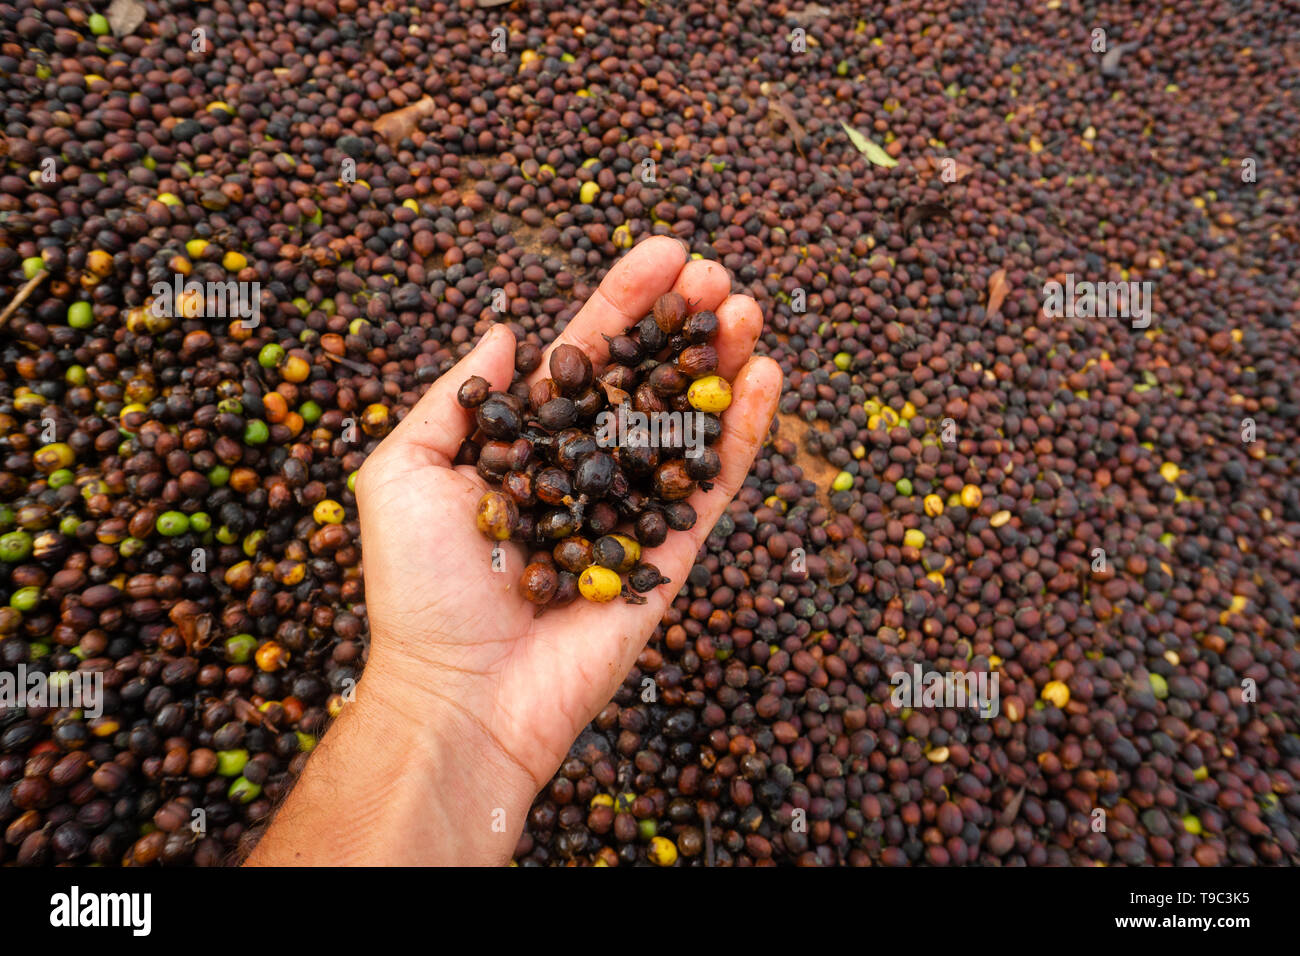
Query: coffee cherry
{"type": "Point", "coordinates": [571, 369]}
{"type": "Point", "coordinates": [700, 327]}
{"type": "Point", "coordinates": [672, 482]}
{"type": "Point", "coordinates": [599, 584]}
{"type": "Point", "coordinates": [498, 419]}
{"type": "Point", "coordinates": [497, 515]}
{"type": "Point", "coordinates": [539, 582]}
{"type": "Point", "coordinates": [473, 392]}
{"type": "Point", "coordinates": [557, 414]}
{"type": "Point", "coordinates": [651, 529]}
{"type": "Point", "coordinates": [594, 474]}
{"type": "Point", "coordinates": [573, 554]}
{"type": "Point", "coordinates": [680, 516]}
{"type": "Point", "coordinates": [645, 577]}
{"type": "Point", "coordinates": [696, 361]}
{"type": "Point", "coordinates": [710, 394]}
{"type": "Point", "coordinates": [705, 465]}
{"type": "Point", "coordinates": [670, 312]}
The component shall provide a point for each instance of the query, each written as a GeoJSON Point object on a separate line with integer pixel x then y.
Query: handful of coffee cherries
{"type": "Point", "coordinates": [590, 471]}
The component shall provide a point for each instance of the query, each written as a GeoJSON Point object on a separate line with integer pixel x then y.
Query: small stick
{"type": "Point", "coordinates": [22, 295]}
{"type": "Point", "coordinates": [355, 366]}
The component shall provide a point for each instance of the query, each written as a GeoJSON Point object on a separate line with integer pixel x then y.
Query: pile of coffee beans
{"type": "Point", "coordinates": [571, 471]}
{"type": "Point", "coordinates": [1101, 515]}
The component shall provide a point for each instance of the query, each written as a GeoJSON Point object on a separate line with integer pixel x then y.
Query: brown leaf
{"type": "Point", "coordinates": [960, 170]}
{"type": "Point", "coordinates": [246, 713]}
{"type": "Point", "coordinates": [1013, 808]}
{"type": "Point", "coordinates": [399, 124]}
{"type": "Point", "coordinates": [814, 13]}
{"type": "Point", "coordinates": [787, 116]}
{"type": "Point", "coordinates": [998, 290]}
{"type": "Point", "coordinates": [125, 16]}
{"type": "Point", "coordinates": [924, 212]}
{"type": "Point", "coordinates": [194, 627]}
{"type": "Point", "coordinates": [615, 395]}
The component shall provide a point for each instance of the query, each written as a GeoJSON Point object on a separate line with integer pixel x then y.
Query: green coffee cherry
{"type": "Point", "coordinates": [25, 599]}
{"type": "Point", "coordinates": [15, 546]}
{"type": "Point", "coordinates": [256, 432]}
{"type": "Point", "coordinates": [172, 523]}
{"type": "Point", "coordinates": [310, 412]}
{"type": "Point", "coordinates": [231, 763]}
{"type": "Point", "coordinates": [200, 522]}
{"type": "Point", "coordinates": [244, 791]}
{"type": "Point", "coordinates": [270, 356]}
{"type": "Point", "coordinates": [80, 315]}
{"type": "Point", "coordinates": [240, 648]}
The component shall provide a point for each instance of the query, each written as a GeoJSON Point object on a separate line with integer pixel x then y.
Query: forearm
{"type": "Point", "coordinates": [388, 787]}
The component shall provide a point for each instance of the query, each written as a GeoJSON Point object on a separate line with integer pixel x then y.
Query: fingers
{"type": "Point", "coordinates": [740, 322]}
{"type": "Point", "coordinates": [703, 284]}
{"type": "Point", "coordinates": [625, 295]}
{"type": "Point", "coordinates": [438, 423]}
{"type": "Point", "coordinates": [756, 390]}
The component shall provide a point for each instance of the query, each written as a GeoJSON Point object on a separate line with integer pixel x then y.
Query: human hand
{"type": "Point", "coordinates": [495, 693]}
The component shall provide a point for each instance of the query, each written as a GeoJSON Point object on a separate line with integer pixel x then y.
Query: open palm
{"type": "Point", "coordinates": [446, 626]}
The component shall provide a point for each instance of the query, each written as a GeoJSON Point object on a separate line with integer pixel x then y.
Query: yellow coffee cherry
{"type": "Point", "coordinates": [933, 505]}
{"type": "Point", "coordinates": [1055, 692]}
{"type": "Point", "coordinates": [709, 394]}
{"type": "Point", "coordinates": [599, 584]}
{"type": "Point", "coordinates": [662, 852]}
{"type": "Point", "coordinates": [914, 538]}
{"type": "Point", "coordinates": [971, 496]}
{"type": "Point", "coordinates": [328, 512]}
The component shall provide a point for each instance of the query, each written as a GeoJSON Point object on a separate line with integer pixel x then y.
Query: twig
{"type": "Point", "coordinates": [22, 295]}
{"type": "Point", "coordinates": [355, 366]}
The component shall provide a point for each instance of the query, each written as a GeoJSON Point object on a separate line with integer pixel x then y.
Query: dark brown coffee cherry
{"type": "Point", "coordinates": [651, 529]}
{"type": "Point", "coordinates": [557, 414]}
{"type": "Point", "coordinates": [473, 392]}
{"type": "Point", "coordinates": [670, 312]}
{"type": "Point", "coordinates": [571, 369]}
{"type": "Point", "coordinates": [700, 327]}
{"type": "Point", "coordinates": [498, 419]}
{"type": "Point", "coordinates": [680, 516]}
{"type": "Point", "coordinates": [538, 583]}
{"type": "Point", "coordinates": [672, 482]}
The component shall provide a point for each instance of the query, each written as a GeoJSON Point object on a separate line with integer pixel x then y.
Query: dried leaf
{"type": "Point", "coordinates": [1013, 808]}
{"type": "Point", "coordinates": [813, 13]}
{"type": "Point", "coordinates": [125, 16]}
{"type": "Point", "coordinates": [246, 713]}
{"type": "Point", "coordinates": [924, 212]}
{"type": "Point", "coordinates": [399, 124]}
{"type": "Point", "coordinates": [998, 290]}
{"type": "Point", "coordinates": [786, 114]}
{"type": "Point", "coordinates": [869, 149]}
{"type": "Point", "coordinates": [194, 626]}
{"type": "Point", "coordinates": [615, 395]}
